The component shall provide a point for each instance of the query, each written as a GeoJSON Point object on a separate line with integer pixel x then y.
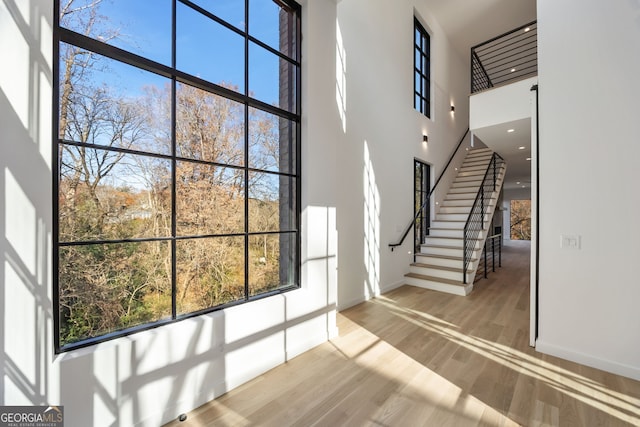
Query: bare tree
{"type": "Point", "coordinates": [521, 219]}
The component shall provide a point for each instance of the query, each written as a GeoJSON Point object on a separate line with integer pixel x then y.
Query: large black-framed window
{"type": "Point", "coordinates": [421, 67]}
{"type": "Point", "coordinates": [177, 161]}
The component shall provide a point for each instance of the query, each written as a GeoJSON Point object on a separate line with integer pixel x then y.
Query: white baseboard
{"type": "Point", "coordinates": [632, 372]}
{"type": "Point", "coordinates": [391, 286]}
{"type": "Point", "coordinates": [343, 305]}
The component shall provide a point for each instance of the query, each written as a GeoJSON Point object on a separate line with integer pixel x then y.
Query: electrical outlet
{"type": "Point", "coordinates": [570, 241]}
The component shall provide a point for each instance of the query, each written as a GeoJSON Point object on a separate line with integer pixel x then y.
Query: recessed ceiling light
{"type": "Point", "coordinates": [522, 147]}
{"type": "Point", "coordinates": [513, 70]}
{"type": "Point", "coordinates": [511, 130]}
{"type": "Point", "coordinates": [527, 29]}
{"type": "Point", "coordinates": [524, 186]}
{"type": "Point", "coordinates": [528, 158]}
{"type": "Point", "coordinates": [517, 182]}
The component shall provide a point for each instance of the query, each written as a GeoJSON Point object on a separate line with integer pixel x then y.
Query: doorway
{"type": "Point", "coordinates": [422, 210]}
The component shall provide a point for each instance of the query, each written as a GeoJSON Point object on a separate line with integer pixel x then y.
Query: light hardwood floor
{"type": "Point", "coordinates": [415, 357]}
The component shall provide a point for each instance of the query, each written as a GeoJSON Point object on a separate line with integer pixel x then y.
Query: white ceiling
{"type": "Point", "coordinates": [514, 147]}
{"type": "Point", "coordinates": [471, 22]}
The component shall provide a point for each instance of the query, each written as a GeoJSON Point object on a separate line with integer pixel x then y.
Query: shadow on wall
{"type": "Point", "coordinates": [25, 204]}
{"type": "Point", "coordinates": [144, 379]}
{"type": "Point", "coordinates": [371, 228]}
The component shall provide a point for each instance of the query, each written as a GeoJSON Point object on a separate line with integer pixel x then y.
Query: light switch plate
{"type": "Point", "coordinates": [570, 241]}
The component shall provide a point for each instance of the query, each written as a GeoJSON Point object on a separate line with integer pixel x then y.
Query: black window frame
{"type": "Point", "coordinates": [294, 114]}
{"type": "Point", "coordinates": [421, 69]}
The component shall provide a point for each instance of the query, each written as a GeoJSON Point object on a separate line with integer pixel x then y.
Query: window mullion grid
{"type": "Point", "coordinates": [176, 78]}
{"type": "Point", "coordinates": [55, 147]}
{"type": "Point", "coordinates": [174, 263]}
{"type": "Point", "coordinates": [246, 152]}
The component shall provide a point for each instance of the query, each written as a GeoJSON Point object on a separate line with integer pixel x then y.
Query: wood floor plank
{"type": "Point", "coordinates": [415, 357]}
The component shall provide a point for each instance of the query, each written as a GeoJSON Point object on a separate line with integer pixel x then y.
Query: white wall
{"type": "Point", "coordinates": [358, 151]}
{"type": "Point", "coordinates": [503, 104]}
{"type": "Point", "coordinates": [589, 91]}
{"type": "Point", "coordinates": [383, 134]}
{"type": "Point", "coordinates": [148, 378]}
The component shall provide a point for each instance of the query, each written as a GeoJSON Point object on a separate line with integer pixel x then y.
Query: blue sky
{"type": "Point", "coordinates": [204, 48]}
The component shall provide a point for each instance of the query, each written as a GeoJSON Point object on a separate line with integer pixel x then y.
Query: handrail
{"type": "Point", "coordinates": [475, 221]}
{"type": "Point", "coordinates": [505, 58]}
{"type": "Point", "coordinates": [417, 214]}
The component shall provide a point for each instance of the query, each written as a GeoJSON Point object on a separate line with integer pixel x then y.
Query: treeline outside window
{"type": "Point", "coordinates": [177, 174]}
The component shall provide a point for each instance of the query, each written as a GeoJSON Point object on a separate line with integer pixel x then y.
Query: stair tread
{"type": "Point", "coordinates": [435, 279]}
{"type": "Point", "coordinates": [450, 238]}
{"type": "Point", "coordinates": [427, 245]}
{"type": "Point", "coordinates": [449, 257]}
{"type": "Point", "coordinates": [439, 267]}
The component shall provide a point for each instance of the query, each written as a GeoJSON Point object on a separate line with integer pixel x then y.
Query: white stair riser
{"type": "Point", "coordinates": [450, 232]}
{"type": "Point", "coordinates": [459, 202]}
{"type": "Point", "coordinates": [457, 188]}
{"type": "Point", "coordinates": [467, 173]}
{"type": "Point", "coordinates": [456, 216]}
{"type": "Point", "coordinates": [447, 241]}
{"type": "Point", "coordinates": [460, 196]}
{"type": "Point", "coordinates": [472, 154]}
{"type": "Point", "coordinates": [441, 287]}
{"type": "Point", "coordinates": [436, 272]}
{"type": "Point", "coordinates": [443, 262]}
{"type": "Point", "coordinates": [455, 209]}
{"type": "Point", "coordinates": [473, 163]}
{"type": "Point", "coordinates": [430, 250]}
{"type": "Point", "coordinates": [467, 181]}
{"type": "Point", "coordinates": [457, 225]}
{"type": "Point", "coordinates": [475, 168]}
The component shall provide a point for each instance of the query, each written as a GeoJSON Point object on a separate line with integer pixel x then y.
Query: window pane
{"type": "Point", "coordinates": [271, 202]}
{"type": "Point", "coordinates": [108, 103]}
{"type": "Point", "coordinates": [273, 25]}
{"type": "Point", "coordinates": [110, 287]}
{"type": "Point", "coordinates": [272, 261]}
{"type": "Point", "coordinates": [271, 79]}
{"type": "Point", "coordinates": [209, 199]}
{"type": "Point", "coordinates": [106, 195]}
{"type": "Point", "coordinates": [231, 11]}
{"type": "Point", "coordinates": [210, 272]}
{"type": "Point", "coordinates": [125, 24]}
{"type": "Point", "coordinates": [208, 50]}
{"type": "Point", "coordinates": [209, 127]}
{"type": "Point", "coordinates": [271, 142]}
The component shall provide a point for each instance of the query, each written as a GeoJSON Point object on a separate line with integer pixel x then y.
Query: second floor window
{"type": "Point", "coordinates": [421, 67]}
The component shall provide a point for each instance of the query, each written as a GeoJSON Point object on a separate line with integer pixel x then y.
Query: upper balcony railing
{"type": "Point", "coordinates": [508, 57]}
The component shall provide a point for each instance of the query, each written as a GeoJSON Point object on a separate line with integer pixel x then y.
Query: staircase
{"type": "Point", "coordinates": [439, 264]}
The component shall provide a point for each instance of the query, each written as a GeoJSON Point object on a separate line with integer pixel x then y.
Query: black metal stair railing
{"type": "Point", "coordinates": [420, 228]}
{"type": "Point", "coordinates": [508, 57]}
{"type": "Point", "coordinates": [492, 249]}
{"type": "Point", "coordinates": [479, 211]}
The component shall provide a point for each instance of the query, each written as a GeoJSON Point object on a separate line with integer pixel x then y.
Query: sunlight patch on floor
{"type": "Point", "coordinates": [623, 407]}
